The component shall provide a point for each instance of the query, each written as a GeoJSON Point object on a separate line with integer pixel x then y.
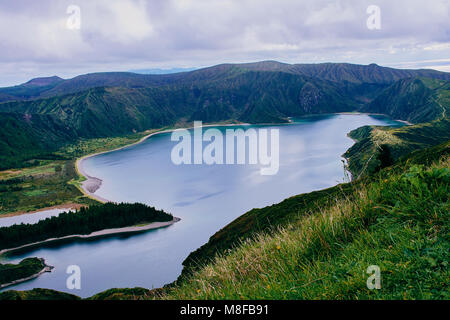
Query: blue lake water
{"type": "Point", "coordinates": [206, 198]}
{"type": "Point", "coordinates": [31, 218]}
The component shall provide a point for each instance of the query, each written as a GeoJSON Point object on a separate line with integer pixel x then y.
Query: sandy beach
{"type": "Point", "coordinates": [105, 232]}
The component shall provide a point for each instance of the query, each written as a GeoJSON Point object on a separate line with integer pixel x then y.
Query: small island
{"type": "Point", "coordinates": [95, 221]}
{"type": "Point", "coordinates": [27, 269]}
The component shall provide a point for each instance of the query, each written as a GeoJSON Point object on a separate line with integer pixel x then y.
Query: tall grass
{"type": "Point", "coordinates": [399, 223]}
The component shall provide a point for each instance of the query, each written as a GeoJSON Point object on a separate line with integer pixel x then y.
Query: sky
{"type": "Point", "coordinates": [69, 38]}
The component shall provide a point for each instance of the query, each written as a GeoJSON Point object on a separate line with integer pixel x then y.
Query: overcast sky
{"type": "Point", "coordinates": [36, 38]}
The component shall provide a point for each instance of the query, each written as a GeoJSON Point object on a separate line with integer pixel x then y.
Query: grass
{"type": "Point", "coordinates": [39, 187]}
{"type": "Point", "coordinates": [89, 146]}
{"type": "Point", "coordinates": [54, 182]}
{"type": "Point", "coordinates": [37, 294]}
{"type": "Point", "coordinates": [398, 222]}
{"type": "Point", "coordinates": [265, 220]}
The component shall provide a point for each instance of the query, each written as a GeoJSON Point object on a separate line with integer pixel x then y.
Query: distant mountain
{"type": "Point", "coordinates": [42, 82]}
{"type": "Point", "coordinates": [350, 74]}
{"type": "Point", "coordinates": [257, 97]}
{"type": "Point", "coordinates": [29, 90]}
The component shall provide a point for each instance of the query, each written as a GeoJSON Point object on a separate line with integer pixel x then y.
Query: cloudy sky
{"type": "Point", "coordinates": [42, 38]}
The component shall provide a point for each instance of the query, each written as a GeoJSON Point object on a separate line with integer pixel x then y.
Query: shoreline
{"type": "Point", "coordinates": [47, 268]}
{"type": "Point", "coordinates": [375, 114]}
{"type": "Point", "coordinates": [100, 233]}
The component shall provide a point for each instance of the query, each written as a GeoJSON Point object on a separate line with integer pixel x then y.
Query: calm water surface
{"type": "Point", "coordinates": [206, 198]}
{"type": "Point", "coordinates": [31, 218]}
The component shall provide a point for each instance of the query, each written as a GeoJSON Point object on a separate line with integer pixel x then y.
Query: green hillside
{"type": "Point", "coordinates": [26, 136]}
{"type": "Point", "coordinates": [415, 100]}
{"type": "Point", "coordinates": [38, 294]}
{"type": "Point", "coordinates": [397, 220]}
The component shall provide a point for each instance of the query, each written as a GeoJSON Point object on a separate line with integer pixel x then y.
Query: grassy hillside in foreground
{"type": "Point", "coordinates": [396, 143]}
{"type": "Point", "coordinates": [379, 147]}
{"type": "Point", "coordinates": [398, 221]}
{"type": "Point", "coordinates": [265, 220]}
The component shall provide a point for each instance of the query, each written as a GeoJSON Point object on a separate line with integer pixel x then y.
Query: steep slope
{"type": "Point", "coordinates": [25, 136]}
{"type": "Point", "coordinates": [251, 96]}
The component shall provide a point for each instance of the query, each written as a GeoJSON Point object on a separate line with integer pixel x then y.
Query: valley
{"type": "Point", "coordinates": [49, 123]}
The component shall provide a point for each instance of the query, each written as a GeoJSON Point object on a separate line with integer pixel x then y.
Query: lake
{"type": "Point", "coordinates": [206, 198]}
{"type": "Point", "coordinates": [31, 218]}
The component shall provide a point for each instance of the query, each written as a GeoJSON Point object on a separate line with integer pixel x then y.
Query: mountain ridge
{"type": "Point", "coordinates": [115, 104]}
{"type": "Point", "coordinates": [352, 73]}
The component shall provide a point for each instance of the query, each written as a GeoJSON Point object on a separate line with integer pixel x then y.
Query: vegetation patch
{"type": "Point", "coordinates": [82, 222]}
{"type": "Point", "coordinates": [37, 294]}
{"type": "Point", "coordinates": [26, 268]}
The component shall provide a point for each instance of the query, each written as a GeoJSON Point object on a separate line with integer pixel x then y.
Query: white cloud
{"type": "Point", "coordinates": [333, 13]}
{"type": "Point", "coordinates": [27, 36]}
{"type": "Point", "coordinates": [120, 34]}
{"type": "Point", "coordinates": [123, 21]}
